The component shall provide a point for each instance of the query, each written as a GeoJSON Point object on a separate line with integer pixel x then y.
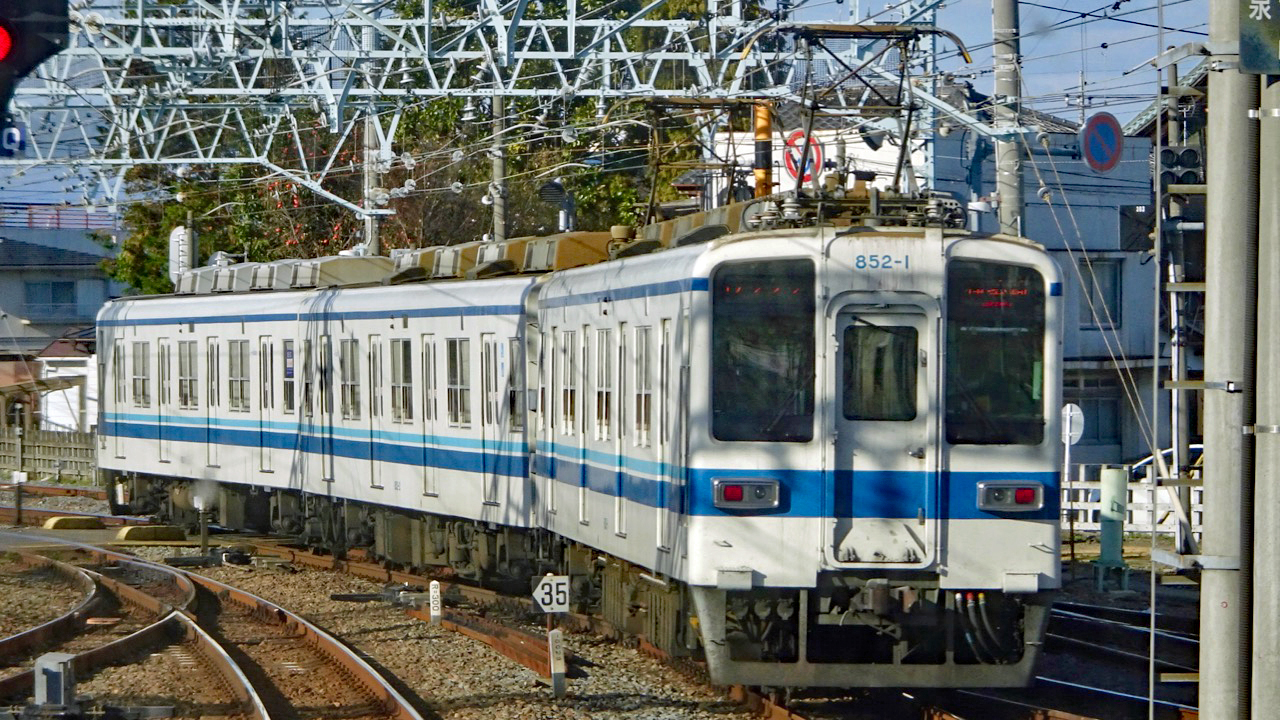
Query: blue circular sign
{"type": "Point", "coordinates": [1101, 142]}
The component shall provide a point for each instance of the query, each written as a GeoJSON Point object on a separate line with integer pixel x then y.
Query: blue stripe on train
{"type": "Point", "coordinates": [865, 494]}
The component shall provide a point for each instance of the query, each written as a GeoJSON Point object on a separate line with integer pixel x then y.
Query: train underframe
{"type": "Point", "coordinates": [852, 629]}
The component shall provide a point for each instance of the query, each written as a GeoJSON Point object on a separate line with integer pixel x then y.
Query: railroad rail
{"type": "Point", "coordinates": [296, 631]}
{"type": "Point", "coordinates": [179, 611]}
{"type": "Point", "coordinates": [28, 641]}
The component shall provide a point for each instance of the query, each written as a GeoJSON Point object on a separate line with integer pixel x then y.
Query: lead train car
{"type": "Point", "coordinates": [816, 456]}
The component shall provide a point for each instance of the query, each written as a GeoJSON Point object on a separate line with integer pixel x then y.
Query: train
{"type": "Point", "coordinates": [813, 441]}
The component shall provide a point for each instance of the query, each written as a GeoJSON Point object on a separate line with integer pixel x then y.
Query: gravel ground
{"type": "Point", "coordinates": [32, 597]}
{"type": "Point", "coordinates": [174, 676]}
{"type": "Point", "coordinates": [69, 503]}
{"type": "Point", "coordinates": [450, 677]}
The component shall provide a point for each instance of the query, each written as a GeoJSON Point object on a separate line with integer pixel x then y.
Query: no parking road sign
{"type": "Point", "coordinates": [795, 148]}
{"type": "Point", "coordinates": [1102, 142]}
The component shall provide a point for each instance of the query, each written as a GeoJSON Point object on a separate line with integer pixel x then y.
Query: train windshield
{"type": "Point", "coordinates": [762, 354]}
{"type": "Point", "coordinates": [995, 354]}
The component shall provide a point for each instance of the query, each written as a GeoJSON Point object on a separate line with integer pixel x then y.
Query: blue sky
{"type": "Point", "coordinates": [1061, 39]}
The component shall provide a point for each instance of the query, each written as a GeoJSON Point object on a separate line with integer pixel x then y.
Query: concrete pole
{"type": "Point", "coordinates": [1266, 519]}
{"type": "Point", "coordinates": [1230, 238]}
{"type": "Point", "coordinates": [372, 239]}
{"type": "Point", "coordinates": [499, 184]}
{"type": "Point", "coordinates": [1008, 64]}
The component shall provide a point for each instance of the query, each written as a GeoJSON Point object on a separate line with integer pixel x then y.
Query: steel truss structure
{"type": "Point", "coordinates": [229, 81]}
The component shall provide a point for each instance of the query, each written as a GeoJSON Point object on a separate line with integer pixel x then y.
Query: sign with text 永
{"type": "Point", "coordinates": [1260, 36]}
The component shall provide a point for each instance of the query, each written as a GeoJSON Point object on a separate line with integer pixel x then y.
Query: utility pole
{"type": "Point", "coordinates": [1266, 519]}
{"type": "Point", "coordinates": [1008, 63]}
{"type": "Point", "coordinates": [498, 186]}
{"type": "Point", "coordinates": [1230, 239]}
{"type": "Point", "coordinates": [1179, 408]}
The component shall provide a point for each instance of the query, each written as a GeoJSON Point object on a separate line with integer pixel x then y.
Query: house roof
{"type": "Point", "coordinates": [17, 254]}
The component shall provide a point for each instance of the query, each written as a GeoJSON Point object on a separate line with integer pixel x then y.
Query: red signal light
{"type": "Point", "coordinates": [6, 43]}
{"type": "Point", "coordinates": [733, 493]}
{"type": "Point", "coordinates": [1024, 495]}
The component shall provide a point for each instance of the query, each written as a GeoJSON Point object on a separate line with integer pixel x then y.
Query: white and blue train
{"type": "Point", "coordinates": [815, 443]}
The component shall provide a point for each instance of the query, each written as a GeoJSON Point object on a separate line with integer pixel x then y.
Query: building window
{"type": "Point", "coordinates": [1100, 293]}
{"type": "Point", "coordinates": [349, 378]}
{"type": "Point", "coordinates": [288, 380]}
{"type": "Point", "coordinates": [458, 381]}
{"type": "Point", "coordinates": [142, 374]}
{"type": "Point", "coordinates": [50, 299]}
{"type": "Point", "coordinates": [1099, 396]}
{"type": "Point", "coordinates": [188, 387]}
{"type": "Point", "coordinates": [238, 375]}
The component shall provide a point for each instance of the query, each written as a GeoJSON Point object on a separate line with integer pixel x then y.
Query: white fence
{"type": "Point", "coordinates": [1082, 498]}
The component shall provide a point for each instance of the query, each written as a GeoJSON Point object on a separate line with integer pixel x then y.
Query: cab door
{"type": "Point", "coordinates": [884, 493]}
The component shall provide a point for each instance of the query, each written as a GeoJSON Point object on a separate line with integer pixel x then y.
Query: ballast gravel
{"type": "Point", "coordinates": [451, 677]}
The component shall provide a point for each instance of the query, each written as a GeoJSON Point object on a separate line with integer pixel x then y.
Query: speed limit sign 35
{"type": "Point", "coordinates": [551, 594]}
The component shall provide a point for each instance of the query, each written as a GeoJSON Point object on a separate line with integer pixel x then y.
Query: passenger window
{"type": "Point", "coordinates": [401, 381]}
{"type": "Point", "coordinates": [288, 380]}
{"type": "Point", "coordinates": [349, 377]}
{"type": "Point", "coordinates": [188, 387]}
{"type": "Point", "coordinates": [238, 375]}
{"type": "Point", "coordinates": [515, 385]}
{"type": "Point", "coordinates": [459, 381]}
{"type": "Point", "coordinates": [142, 374]}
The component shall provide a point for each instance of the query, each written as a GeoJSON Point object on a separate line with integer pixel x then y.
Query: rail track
{"type": "Point", "coordinates": [269, 660]}
{"type": "Point", "coordinates": [1061, 691]}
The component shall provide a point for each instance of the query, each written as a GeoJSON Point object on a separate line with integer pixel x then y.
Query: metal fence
{"type": "Point", "coordinates": [49, 456]}
{"type": "Point", "coordinates": [1082, 497]}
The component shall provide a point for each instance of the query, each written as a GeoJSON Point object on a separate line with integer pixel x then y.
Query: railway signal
{"type": "Point", "coordinates": [31, 31]}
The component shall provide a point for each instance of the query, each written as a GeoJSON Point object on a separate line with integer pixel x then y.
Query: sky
{"type": "Point", "coordinates": [1062, 39]}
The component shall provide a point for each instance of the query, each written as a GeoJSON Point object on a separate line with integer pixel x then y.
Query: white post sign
{"type": "Point", "coordinates": [555, 647]}
{"type": "Point", "coordinates": [551, 595]}
{"type": "Point", "coordinates": [434, 602]}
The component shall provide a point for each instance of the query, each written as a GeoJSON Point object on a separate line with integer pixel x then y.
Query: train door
{"type": "Point", "coordinates": [266, 401]}
{"type": "Point", "coordinates": [164, 433]}
{"type": "Point", "coordinates": [489, 426]}
{"type": "Point", "coordinates": [430, 382]}
{"type": "Point", "coordinates": [374, 426]}
{"type": "Point", "coordinates": [882, 502]}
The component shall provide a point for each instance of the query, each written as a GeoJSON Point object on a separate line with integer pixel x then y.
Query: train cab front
{"type": "Point", "coordinates": [892, 520]}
